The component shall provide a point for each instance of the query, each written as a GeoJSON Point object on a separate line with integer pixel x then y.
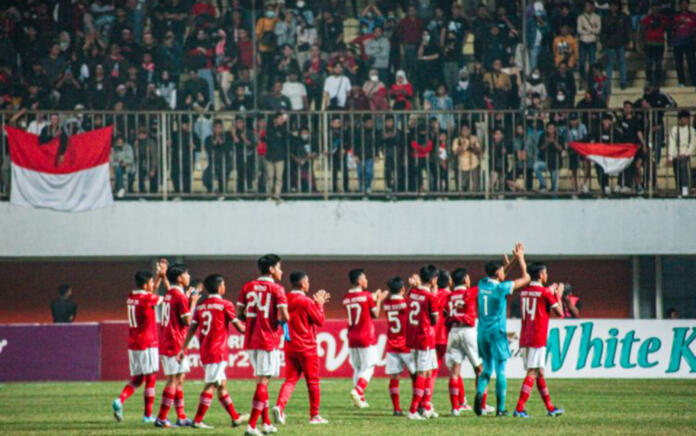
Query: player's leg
{"type": "Point", "coordinates": [527, 386]}
{"type": "Point", "coordinates": [204, 403]}
{"type": "Point", "coordinates": [455, 382]}
{"type": "Point", "coordinates": [168, 395]}
{"type": "Point", "coordinates": [484, 398]}
{"type": "Point", "coordinates": [310, 365]}
{"type": "Point", "coordinates": [259, 400]}
{"type": "Point", "coordinates": [179, 406]}
{"type": "Point", "coordinates": [418, 390]}
{"type": "Point", "coordinates": [545, 396]}
{"type": "Point", "coordinates": [484, 378]}
{"type": "Point", "coordinates": [500, 386]}
{"type": "Point", "coordinates": [149, 394]}
{"type": "Point", "coordinates": [228, 405]}
{"type": "Point", "coordinates": [126, 392]}
{"type": "Point", "coordinates": [471, 352]}
{"type": "Point", "coordinates": [293, 371]}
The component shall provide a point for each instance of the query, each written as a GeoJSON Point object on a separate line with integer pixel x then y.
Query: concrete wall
{"type": "Point", "coordinates": [354, 228]}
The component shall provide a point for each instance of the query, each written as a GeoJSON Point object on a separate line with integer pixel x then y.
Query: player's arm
{"type": "Point", "coordinates": [557, 306]}
{"type": "Point", "coordinates": [188, 316]}
{"type": "Point", "coordinates": [241, 306]}
{"type": "Point", "coordinates": [379, 296]}
{"type": "Point", "coordinates": [239, 325]}
{"type": "Point", "coordinates": [524, 279]}
{"type": "Point", "coordinates": [316, 311]}
{"type": "Point", "coordinates": [189, 335]}
{"type": "Point", "coordinates": [161, 273]}
{"type": "Point", "coordinates": [433, 303]}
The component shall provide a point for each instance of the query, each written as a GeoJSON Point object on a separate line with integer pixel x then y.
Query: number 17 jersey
{"type": "Point", "coordinates": [361, 329]}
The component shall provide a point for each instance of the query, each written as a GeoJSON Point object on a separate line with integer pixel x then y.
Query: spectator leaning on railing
{"type": "Point", "coordinates": [681, 149]}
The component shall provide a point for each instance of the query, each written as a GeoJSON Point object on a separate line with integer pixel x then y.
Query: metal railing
{"type": "Point", "coordinates": [485, 154]}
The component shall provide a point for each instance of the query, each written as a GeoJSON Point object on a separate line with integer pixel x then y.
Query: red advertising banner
{"type": "Point", "coordinates": [332, 343]}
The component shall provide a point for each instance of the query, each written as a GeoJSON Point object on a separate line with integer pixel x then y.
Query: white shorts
{"type": "Point", "coordinates": [462, 344]}
{"type": "Point", "coordinates": [533, 357]}
{"type": "Point", "coordinates": [363, 358]}
{"type": "Point", "coordinates": [265, 363]}
{"type": "Point", "coordinates": [143, 362]}
{"type": "Point", "coordinates": [215, 372]}
{"type": "Point", "coordinates": [396, 362]}
{"type": "Point", "coordinates": [426, 360]}
{"type": "Point", "coordinates": [171, 366]}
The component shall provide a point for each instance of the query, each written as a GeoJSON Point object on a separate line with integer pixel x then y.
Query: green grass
{"type": "Point", "coordinates": [594, 407]}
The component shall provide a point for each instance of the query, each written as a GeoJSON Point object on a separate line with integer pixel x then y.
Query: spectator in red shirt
{"type": "Point", "coordinates": [421, 146]}
{"type": "Point", "coordinates": [401, 91]}
{"type": "Point", "coordinates": [684, 32]}
{"type": "Point", "coordinates": [653, 27]}
{"type": "Point", "coordinates": [409, 34]}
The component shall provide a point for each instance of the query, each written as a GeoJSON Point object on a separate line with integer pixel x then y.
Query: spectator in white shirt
{"type": "Point", "coordinates": [336, 88]}
{"type": "Point", "coordinates": [296, 92]}
{"type": "Point", "coordinates": [682, 146]}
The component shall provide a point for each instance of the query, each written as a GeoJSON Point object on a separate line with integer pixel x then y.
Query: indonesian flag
{"type": "Point", "coordinates": [613, 158]}
{"type": "Point", "coordinates": [77, 182]}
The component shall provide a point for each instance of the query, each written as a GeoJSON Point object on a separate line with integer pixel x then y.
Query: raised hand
{"type": "Point", "coordinates": [380, 295]}
{"type": "Point", "coordinates": [414, 281]}
{"type": "Point", "coordinates": [518, 251]}
{"type": "Point", "coordinates": [321, 296]}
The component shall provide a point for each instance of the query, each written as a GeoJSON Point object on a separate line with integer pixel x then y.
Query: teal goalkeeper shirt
{"type": "Point", "coordinates": [492, 305]}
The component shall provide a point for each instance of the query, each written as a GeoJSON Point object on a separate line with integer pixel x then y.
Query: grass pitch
{"type": "Point", "coordinates": [593, 407]}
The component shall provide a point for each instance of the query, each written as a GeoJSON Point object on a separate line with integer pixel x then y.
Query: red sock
{"type": "Point", "coordinates": [454, 390]}
{"type": "Point", "coordinates": [203, 405]}
{"type": "Point", "coordinates": [150, 382]}
{"type": "Point", "coordinates": [130, 388]}
{"type": "Point", "coordinates": [524, 392]}
{"type": "Point", "coordinates": [227, 404]}
{"type": "Point", "coordinates": [462, 395]}
{"type": "Point", "coordinates": [167, 400]}
{"type": "Point", "coordinates": [360, 386]}
{"type": "Point", "coordinates": [258, 403]}
{"type": "Point", "coordinates": [394, 393]}
{"type": "Point", "coordinates": [484, 399]}
{"type": "Point", "coordinates": [418, 385]}
{"type": "Point", "coordinates": [544, 392]}
{"type": "Point", "coordinates": [265, 416]}
{"type": "Point", "coordinates": [314, 397]}
{"type": "Point", "coordinates": [428, 393]}
{"type": "Point", "coordinates": [179, 403]}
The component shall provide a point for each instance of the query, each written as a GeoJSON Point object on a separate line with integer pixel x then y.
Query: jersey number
{"type": "Point", "coordinates": [485, 305]}
{"type": "Point", "coordinates": [262, 302]}
{"type": "Point", "coordinates": [166, 312]}
{"type": "Point", "coordinates": [453, 306]}
{"type": "Point", "coordinates": [529, 308]}
{"type": "Point", "coordinates": [393, 317]}
{"type": "Point", "coordinates": [413, 313]}
{"type": "Point", "coordinates": [207, 319]}
{"type": "Point", "coordinates": [353, 320]}
{"type": "Point", "coordinates": [132, 320]}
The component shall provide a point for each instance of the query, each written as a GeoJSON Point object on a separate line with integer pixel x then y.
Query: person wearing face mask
{"type": "Point", "coordinates": [305, 11]}
{"type": "Point", "coordinates": [428, 62]}
{"type": "Point", "coordinates": [535, 85]}
{"type": "Point", "coordinates": [452, 58]}
{"type": "Point", "coordinates": [267, 43]}
{"type": "Point", "coordinates": [463, 91]}
{"type": "Point", "coordinates": [376, 92]}
{"type": "Point", "coordinates": [303, 150]}
{"type": "Point", "coordinates": [377, 49]}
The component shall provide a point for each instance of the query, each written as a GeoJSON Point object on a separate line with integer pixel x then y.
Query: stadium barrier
{"type": "Point", "coordinates": [585, 348]}
{"type": "Point", "coordinates": [351, 154]}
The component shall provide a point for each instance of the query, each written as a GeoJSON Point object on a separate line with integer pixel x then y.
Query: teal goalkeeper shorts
{"type": "Point", "coordinates": [493, 345]}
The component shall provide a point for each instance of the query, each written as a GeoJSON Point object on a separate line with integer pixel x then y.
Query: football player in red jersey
{"type": "Point", "coordinates": [461, 313]}
{"type": "Point", "coordinates": [301, 357]}
{"type": "Point", "coordinates": [143, 356]}
{"type": "Point", "coordinates": [262, 304]}
{"type": "Point", "coordinates": [362, 307]}
{"type": "Point", "coordinates": [398, 354]}
{"type": "Point", "coordinates": [420, 337]}
{"type": "Point", "coordinates": [444, 286]}
{"type": "Point", "coordinates": [211, 320]}
{"type": "Point", "coordinates": [536, 301]}
{"type": "Point", "coordinates": [177, 311]}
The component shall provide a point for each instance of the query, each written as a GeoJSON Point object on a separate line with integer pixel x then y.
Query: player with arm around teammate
{"type": "Point", "coordinates": [211, 321]}
{"type": "Point", "coordinates": [536, 303]}
{"type": "Point", "coordinates": [492, 327]}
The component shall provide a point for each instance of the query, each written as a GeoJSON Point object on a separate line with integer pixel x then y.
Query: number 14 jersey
{"type": "Point", "coordinates": [535, 303]}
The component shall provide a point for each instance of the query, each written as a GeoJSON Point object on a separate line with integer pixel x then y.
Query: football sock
{"type": "Point", "coordinates": [500, 384]}
{"type": "Point", "coordinates": [454, 390]}
{"type": "Point", "coordinates": [462, 395]}
{"type": "Point", "coordinates": [179, 403]}
{"type": "Point", "coordinates": [526, 389]}
{"type": "Point", "coordinates": [428, 393]}
{"type": "Point", "coordinates": [418, 384]}
{"type": "Point", "coordinates": [150, 382]}
{"type": "Point", "coordinates": [544, 392]}
{"type": "Point", "coordinates": [229, 406]}
{"type": "Point", "coordinates": [167, 400]}
{"type": "Point", "coordinates": [130, 388]}
{"type": "Point", "coordinates": [203, 405]}
{"type": "Point", "coordinates": [258, 404]}
{"type": "Point", "coordinates": [360, 386]}
{"type": "Point", "coordinates": [394, 393]}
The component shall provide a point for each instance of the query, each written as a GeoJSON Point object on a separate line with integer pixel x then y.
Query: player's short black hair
{"type": "Point", "coordinates": [354, 275]}
{"type": "Point", "coordinates": [195, 282]}
{"type": "Point", "coordinates": [141, 278]}
{"type": "Point", "coordinates": [296, 277]}
{"type": "Point", "coordinates": [428, 272]}
{"type": "Point", "coordinates": [174, 271]}
{"type": "Point", "coordinates": [492, 266]}
{"type": "Point", "coordinates": [63, 289]}
{"type": "Point", "coordinates": [535, 269]}
{"type": "Point", "coordinates": [395, 284]}
{"type": "Point", "coordinates": [459, 275]}
{"type": "Point", "coordinates": [443, 278]}
{"type": "Point", "coordinates": [265, 263]}
{"type": "Point", "coordinates": [212, 283]}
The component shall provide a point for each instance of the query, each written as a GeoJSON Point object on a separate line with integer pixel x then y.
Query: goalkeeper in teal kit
{"type": "Point", "coordinates": [492, 329]}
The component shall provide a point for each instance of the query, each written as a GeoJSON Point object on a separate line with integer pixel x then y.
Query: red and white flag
{"type": "Point", "coordinates": [79, 181]}
{"type": "Point", "coordinates": [613, 158]}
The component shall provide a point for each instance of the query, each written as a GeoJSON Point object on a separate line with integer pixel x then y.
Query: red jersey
{"type": "Point", "coordinates": [359, 305]}
{"type": "Point", "coordinates": [305, 316]}
{"type": "Point", "coordinates": [142, 325]}
{"type": "Point", "coordinates": [441, 329]}
{"type": "Point", "coordinates": [420, 333]}
{"type": "Point", "coordinates": [172, 328]}
{"type": "Point", "coordinates": [261, 299]}
{"type": "Point", "coordinates": [213, 317]}
{"type": "Point", "coordinates": [535, 303]}
{"type": "Point", "coordinates": [397, 316]}
{"type": "Point", "coordinates": [461, 306]}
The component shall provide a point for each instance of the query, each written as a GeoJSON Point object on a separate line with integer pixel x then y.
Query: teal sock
{"type": "Point", "coordinates": [500, 384]}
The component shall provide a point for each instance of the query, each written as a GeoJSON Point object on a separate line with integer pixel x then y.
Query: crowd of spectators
{"type": "Point", "coordinates": [202, 56]}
